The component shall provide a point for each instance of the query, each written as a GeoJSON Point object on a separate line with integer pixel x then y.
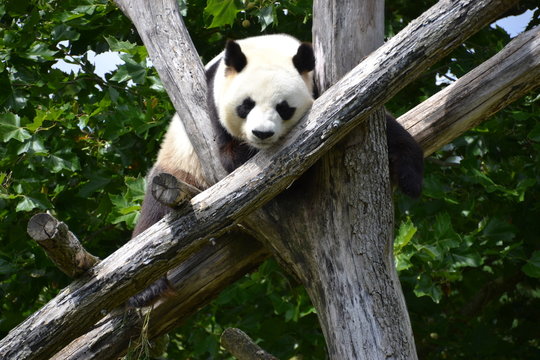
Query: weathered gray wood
{"type": "Point", "coordinates": [337, 235]}
{"type": "Point", "coordinates": [499, 81]}
{"type": "Point", "coordinates": [169, 45]}
{"type": "Point", "coordinates": [240, 345]}
{"type": "Point", "coordinates": [61, 246]}
{"type": "Point", "coordinates": [176, 237]}
{"type": "Point", "coordinates": [171, 191]}
{"type": "Point", "coordinates": [109, 340]}
{"type": "Point", "coordinates": [197, 281]}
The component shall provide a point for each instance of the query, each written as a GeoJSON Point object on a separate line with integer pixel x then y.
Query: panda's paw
{"type": "Point", "coordinates": [410, 177]}
{"type": "Point", "coordinates": [151, 294]}
{"type": "Point", "coordinates": [411, 184]}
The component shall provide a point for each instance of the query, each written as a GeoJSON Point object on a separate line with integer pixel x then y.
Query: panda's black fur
{"type": "Point", "coordinates": [233, 152]}
{"type": "Point", "coordinates": [405, 156]}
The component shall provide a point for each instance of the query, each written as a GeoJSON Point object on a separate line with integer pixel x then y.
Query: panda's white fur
{"type": "Point", "coordinates": [268, 78]}
{"type": "Point", "coordinates": [177, 156]}
{"type": "Point", "coordinates": [259, 88]}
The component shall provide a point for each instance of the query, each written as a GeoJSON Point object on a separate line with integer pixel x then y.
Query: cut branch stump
{"type": "Point", "coordinates": [240, 345]}
{"type": "Point", "coordinates": [61, 246]}
{"type": "Point", "coordinates": [170, 191]}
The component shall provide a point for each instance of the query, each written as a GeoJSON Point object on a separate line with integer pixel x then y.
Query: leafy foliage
{"type": "Point", "coordinates": [67, 139]}
{"type": "Point", "coordinates": [78, 145]}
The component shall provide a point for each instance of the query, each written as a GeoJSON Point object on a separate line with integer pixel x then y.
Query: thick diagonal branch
{"type": "Point", "coordinates": [174, 56]}
{"type": "Point", "coordinates": [175, 238]}
{"type": "Point", "coordinates": [61, 246]}
{"type": "Point", "coordinates": [499, 81]}
{"type": "Point", "coordinates": [109, 340]}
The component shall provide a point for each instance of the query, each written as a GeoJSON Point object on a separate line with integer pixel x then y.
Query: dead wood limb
{"type": "Point", "coordinates": [174, 56]}
{"type": "Point", "coordinates": [61, 246]}
{"type": "Point", "coordinates": [170, 191]}
{"type": "Point", "coordinates": [175, 238]}
{"type": "Point", "coordinates": [197, 281]}
{"type": "Point", "coordinates": [240, 345]}
{"type": "Point", "coordinates": [499, 81]}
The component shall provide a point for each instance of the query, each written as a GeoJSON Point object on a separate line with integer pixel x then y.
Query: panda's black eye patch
{"type": "Point", "coordinates": [285, 110]}
{"type": "Point", "coordinates": [245, 107]}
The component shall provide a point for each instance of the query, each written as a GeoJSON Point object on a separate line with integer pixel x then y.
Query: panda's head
{"type": "Point", "coordinates": [263, 86]}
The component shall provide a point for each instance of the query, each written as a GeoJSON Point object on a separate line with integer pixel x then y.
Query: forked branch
{"type": "Point", "coordinates": [175, 238]}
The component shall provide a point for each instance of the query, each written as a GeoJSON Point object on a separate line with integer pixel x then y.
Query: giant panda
{"type": "Point", "coordinates": [258, 89]}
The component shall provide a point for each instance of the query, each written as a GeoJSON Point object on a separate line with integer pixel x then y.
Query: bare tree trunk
{"type": "Point", "coordinates": [368, 318]}
{"type": "Point", "coordinates": [165, 245]}
{"type": "Point", "coordinates": [477, 95]}
{"type": "Point", "coordinates": [336, 230]}
{"type": "Point", "coordinates": [521, 56]}
{"type": "Point", "coordinates": [173, 54]}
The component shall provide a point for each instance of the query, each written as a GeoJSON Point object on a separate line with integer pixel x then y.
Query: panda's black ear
{"type": "Point", "coordinates": [304, 60]}
{"type": "Point", "coordinates": [234, 57]}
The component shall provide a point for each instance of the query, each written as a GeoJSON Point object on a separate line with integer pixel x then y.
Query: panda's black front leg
{"type": "Point", "coordinates": [233, 153]}
{"type": "Point", "coordinates": [406, 158]}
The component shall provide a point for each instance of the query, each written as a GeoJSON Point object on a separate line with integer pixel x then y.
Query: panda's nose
{"type": "Point", "coordinates": [262, 134]}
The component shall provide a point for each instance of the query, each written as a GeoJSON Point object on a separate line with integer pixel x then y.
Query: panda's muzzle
{"type": "Point", "coordinates": [262, 134]}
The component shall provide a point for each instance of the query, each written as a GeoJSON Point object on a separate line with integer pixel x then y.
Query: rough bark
{"type": "Point", "coordinates": [174, 56]}
{"type": "Point", "coordinates": [171, 191]}
{"type": "Point", "coordinates": [499, 81]}
{"type": "Point", "coordinates": [165, 245]}
{"type": "Point", "coordinates": [242, 347]}
{"type": "Point", "coordinates": [338, 233]}
{"type": "Point", "coordinates": [61, 246]}
{"type": "Point", "coordinates": [109, 340]}
{"type": "Point", "coordinates": [197, 281]}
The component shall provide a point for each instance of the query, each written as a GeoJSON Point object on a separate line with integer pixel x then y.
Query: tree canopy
{"type": "Point", "coordinates": [79, 145]}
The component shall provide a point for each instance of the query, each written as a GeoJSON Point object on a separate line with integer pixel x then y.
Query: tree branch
{"type": "Point", "coordinates": [499, 81]}
{"type": "Point", "coordinates": [109, 339]}
{"type": "Point", "coordinates": [174, 56]}
{"type": "Point", "coordinates": [61, 246]}
{"type": "Point", "coordinates": [171, 191]}
{"type": "Point", "coordinates": [176, 237]}
{"type": "Point", "coordinates": [242, 347]}
{"type": "Point", "coordinates": [197, 281]}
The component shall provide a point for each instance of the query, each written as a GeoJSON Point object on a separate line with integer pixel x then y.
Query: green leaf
{"type": "Point", "coordinates": [39, 52]}
{"type": "Point", "coordinates": [10, 128]}
{"type": "Point", "coordinates": [6, 268]}
{"type": "Point", "coordinates": [33, 146]}
{"type": "Point", "coordinates": [426, 287]}
{"type": "Point", "coordinates": [130, 70]}
{"type": "Point", "coordinates": [52, 114]}
{"type": "Point", "coordinates": [485, 181]}
{"type": "Point", "coordinates": [96, 182]}
{"type": "Point", "coordinates": [466, 260]}
{"type": "Point", "coordinates": [130, 219]}
{"type": "Point", "coordinates": [405, 233]}
{"type": "Point", "coordinates": [29, 203]}
{"type": "Point", "coordinates": [431, 251]}
{"type": "Point", "coordinates": [534, 134]}
{"type": "Point", "coordinates": [136, 187]}
{"type": "Point", "coordinates": [532, 267]}
{"type": "Point", "coordinates": [57, 163]}
{"type": "Point", "coordinates": [121, 46]}
{"type": "Point", "coordinates": [64, 32]}
{"type": "Point", "coordinates": [223, 12]}
{"type": "Point", "coordinates": [266, 17]}
{"type": "Point", "coordinates": [499, 230]}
